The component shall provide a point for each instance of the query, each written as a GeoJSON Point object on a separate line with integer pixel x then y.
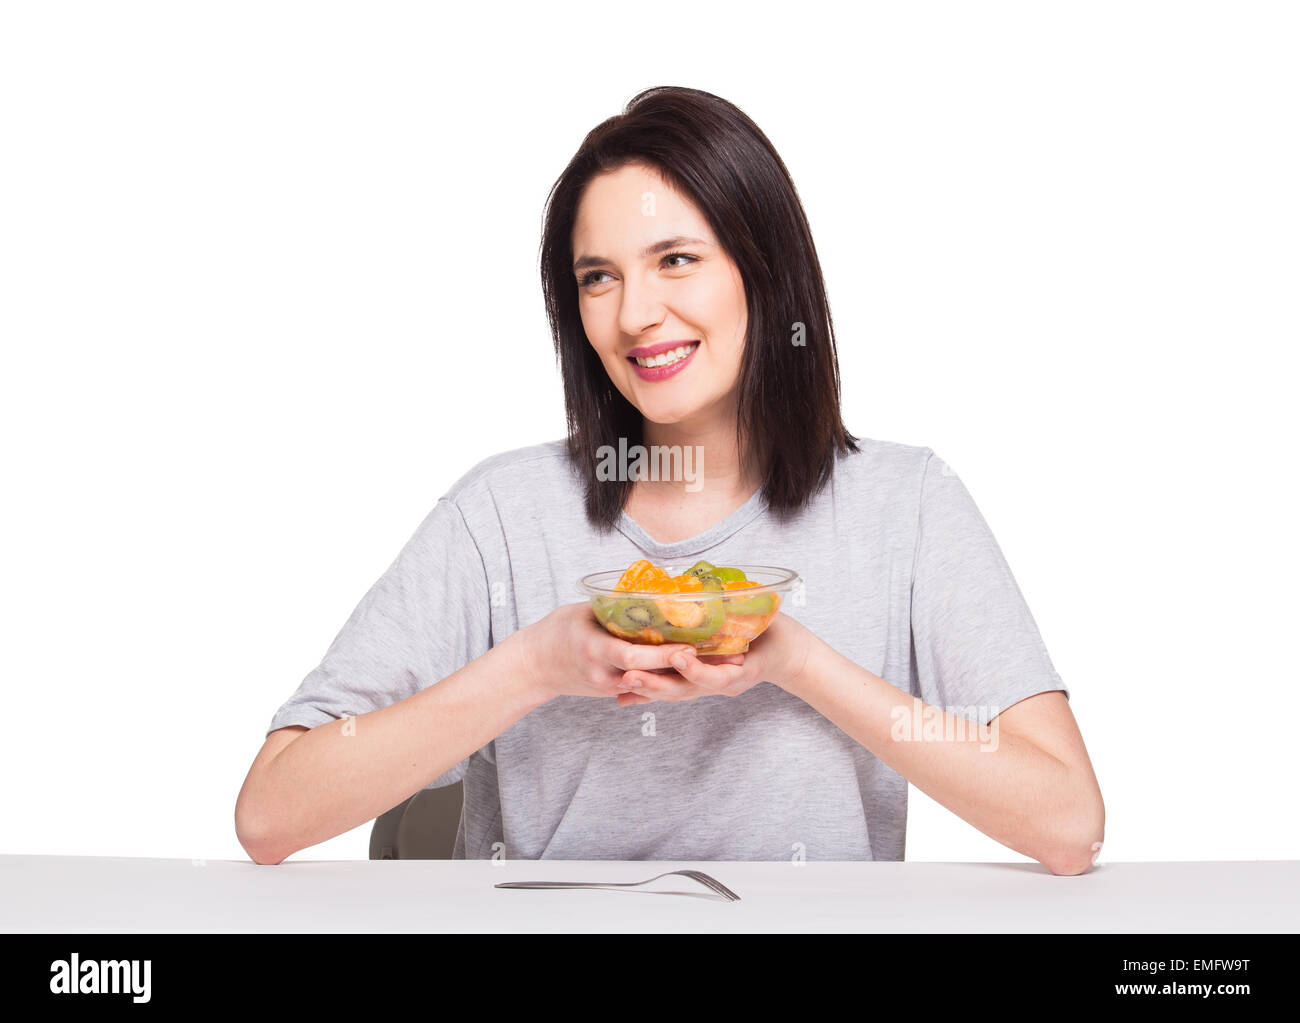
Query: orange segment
{"type": "Point", "coordinates": [638, 574]}
{"type": "Point", "coordinates": [726, 645]}
{"type": "Point", "coordinates": [633, 573]}
{"type": "Point", "coordinates": [685, 614]}
{"type": "Point", "coordinates": [745, 626]}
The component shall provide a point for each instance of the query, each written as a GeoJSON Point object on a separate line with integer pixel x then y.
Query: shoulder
{"type": "Point", "coordinates": [885, 465]}
{"type": "Point", "coordinates": [520, 474]}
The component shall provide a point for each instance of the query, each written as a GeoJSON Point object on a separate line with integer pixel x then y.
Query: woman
{"type": "Point", "coordinates": [688, 313]}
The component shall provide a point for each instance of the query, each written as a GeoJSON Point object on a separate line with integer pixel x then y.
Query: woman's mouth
{"type": "Point", "coordinates": [664, 363]}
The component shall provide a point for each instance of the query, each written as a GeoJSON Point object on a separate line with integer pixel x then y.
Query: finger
{"type": "Point", "coordinates": [628, 655]}
{"type": "Point", "coordinates": [613, 681]}
{"type": "Point", "coordinates": [713, 677]}
{"type": "Point", "coordinates": [669, 688]}
{"type": "Point", "coordinates": [628, 699]}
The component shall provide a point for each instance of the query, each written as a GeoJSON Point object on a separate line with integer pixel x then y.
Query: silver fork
{"type": "Point", "coordinates": [713, 884]}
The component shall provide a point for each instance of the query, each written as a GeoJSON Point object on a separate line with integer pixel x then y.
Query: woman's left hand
{"type": "Point", "coordinates": [777, 656]}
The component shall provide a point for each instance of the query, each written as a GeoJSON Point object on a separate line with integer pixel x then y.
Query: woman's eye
{"type": "Point", "coordinates": [593, 276]}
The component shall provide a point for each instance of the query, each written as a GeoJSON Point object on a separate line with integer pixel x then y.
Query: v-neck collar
{"type": "Point", "coordinates": [693, 545]}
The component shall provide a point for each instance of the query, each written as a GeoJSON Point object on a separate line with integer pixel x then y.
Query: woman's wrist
{"type": "Point", "coordinates": [521, 667]}
{"type": "Point", "coordinates": [799, 646]}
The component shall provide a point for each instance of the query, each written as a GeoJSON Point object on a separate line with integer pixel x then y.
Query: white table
{"type": "Point", "coordinates": [93, 894]}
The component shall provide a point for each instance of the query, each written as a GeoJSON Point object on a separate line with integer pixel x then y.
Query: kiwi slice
{"type": "Point", "coordinates": [603, 607]}
{"type": "Point", "coordinates": [730, 575]}
{"type": "Point", "coordinates": [633, 615]}
{"type": "Point", "coordinates": [699, 569]}
{"type": "Point", "coordinates": [714, 616]}
{"type": "Point", "coordinates": [758, 604]}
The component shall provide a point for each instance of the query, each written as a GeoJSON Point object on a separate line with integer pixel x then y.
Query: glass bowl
{"type": "Point", "coordinates": [712, 621]}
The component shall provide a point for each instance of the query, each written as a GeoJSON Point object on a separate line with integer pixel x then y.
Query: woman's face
{"type": "Point", "coordinates": [652, 281]}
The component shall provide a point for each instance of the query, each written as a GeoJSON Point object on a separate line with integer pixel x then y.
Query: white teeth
{"type": "Point", "coordinates": [666, 358]}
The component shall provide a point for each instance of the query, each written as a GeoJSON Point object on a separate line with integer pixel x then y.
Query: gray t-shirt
{"type": "Point", "coordinates": [901, 574]}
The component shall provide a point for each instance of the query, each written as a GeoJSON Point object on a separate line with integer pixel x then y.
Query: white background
{"type": "Point", "coordinates": [268, 286]}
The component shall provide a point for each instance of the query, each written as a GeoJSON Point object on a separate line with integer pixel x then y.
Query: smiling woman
{"type": "Point", "coordinates": [688, 314]}
{"type": "Point", "coordinates": [675, 230]}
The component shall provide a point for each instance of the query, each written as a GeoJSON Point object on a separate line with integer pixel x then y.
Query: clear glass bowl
{"type": "Point", "coordinates": [712, 621]}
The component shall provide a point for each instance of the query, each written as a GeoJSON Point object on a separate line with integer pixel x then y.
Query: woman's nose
{"type": "Point", "coordinates": [641, 308]}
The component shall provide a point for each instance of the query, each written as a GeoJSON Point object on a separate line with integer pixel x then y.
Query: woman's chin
{"type": "Point", "coordinates": [679, 409]}
{"type": "Point", "coordinates": [672, 413]}
{"type": "Point", "coordinates": [663, 418]}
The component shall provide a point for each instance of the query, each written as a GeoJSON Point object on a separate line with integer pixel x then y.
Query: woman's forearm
{"type": "Point", "coordinates": [1000, 782]}
{"type": "Point", "coordinates": [343, 773]}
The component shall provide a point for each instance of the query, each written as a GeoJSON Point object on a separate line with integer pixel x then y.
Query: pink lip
{"type": "Point", "coordinates": [664, 372]}
{"type": "Point", "coordinates": [650, 351]}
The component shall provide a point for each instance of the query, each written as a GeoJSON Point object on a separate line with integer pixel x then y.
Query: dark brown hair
{"type": "Point", "coordinates": [788, 417]}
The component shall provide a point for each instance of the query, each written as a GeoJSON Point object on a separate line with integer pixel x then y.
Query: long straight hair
{"type": "Point", "coordinates": [788, 418]}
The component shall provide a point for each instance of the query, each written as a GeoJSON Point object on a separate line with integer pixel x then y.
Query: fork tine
{"type": "Point", "coordinates": [723, 888]}
{"type": "Point", "coordinates": [696, 876]}
{"type": "Point", "coordinates": [718, 887]}
{"type": "Point", "coordinates": [702, 878]}
{"type": "Point", "coordinates": [713, 883]}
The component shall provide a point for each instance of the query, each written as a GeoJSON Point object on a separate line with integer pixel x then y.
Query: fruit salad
{"type": "Point", "coordinates": [706, 606]}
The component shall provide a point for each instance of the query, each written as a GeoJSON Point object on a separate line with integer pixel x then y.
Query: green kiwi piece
{"type": "Point", "coordinates": [714, 615]}
{"type": "Point", "coordinates": [729, 575]}
{"type": "Point", "coordinates": [700, 568]}
{"type": "Point", "coordinates": [603, 608]}
{"type": "Point", "coordinates": [633, 615]}
{"type": "Point", "coordinates": [758, 604]}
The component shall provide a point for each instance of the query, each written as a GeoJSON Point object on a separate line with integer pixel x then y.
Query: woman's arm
{"type": "Point", "coordinates": [1024, 779]}
{"type": "Point", "coordinates": [343, 773]}
{"type": "Point", "coordinates": [304, 788]}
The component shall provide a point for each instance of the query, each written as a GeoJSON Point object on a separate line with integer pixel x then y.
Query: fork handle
{"type": "Point", "coordinates": [567, 884]}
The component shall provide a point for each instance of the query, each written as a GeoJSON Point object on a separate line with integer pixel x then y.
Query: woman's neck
{"type": "Point", "coordinates": [715, 484]}
{"type": "Point", "coordinates": [713, 472]}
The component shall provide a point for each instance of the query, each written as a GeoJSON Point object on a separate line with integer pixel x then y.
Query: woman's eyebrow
{"type": "Point", "coordinates": [587, 262]}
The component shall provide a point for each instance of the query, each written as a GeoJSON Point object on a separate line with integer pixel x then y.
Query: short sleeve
{"type": "Point", "coordinates": [426, 617]}
{"type": "Point", "coordinates": [977, 647]}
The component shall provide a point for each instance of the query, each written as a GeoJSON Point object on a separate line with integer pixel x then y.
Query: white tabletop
{"type": "Point", "coordinates": [93, 894]}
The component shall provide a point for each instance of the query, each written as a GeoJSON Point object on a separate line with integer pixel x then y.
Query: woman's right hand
{"type": "Point", "coordinates": [569, 653]}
